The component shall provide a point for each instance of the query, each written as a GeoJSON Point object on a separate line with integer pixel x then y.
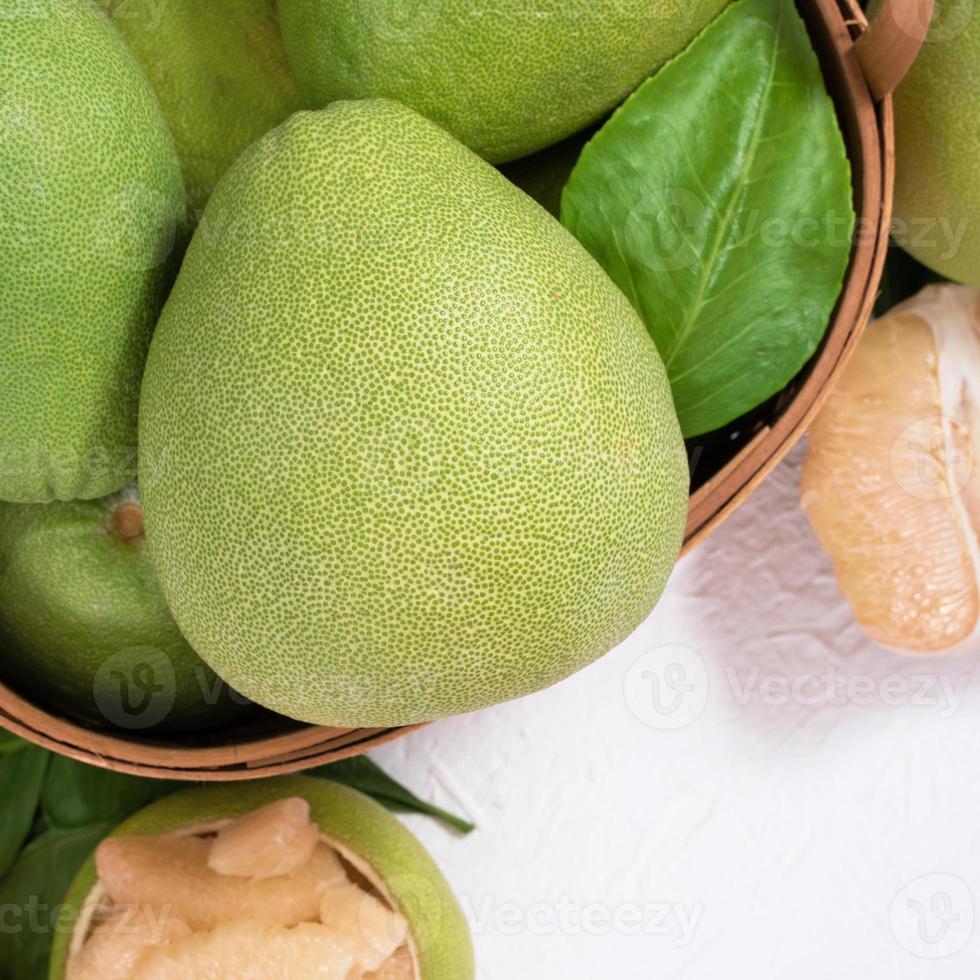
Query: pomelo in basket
{"type": "Point", "coordinates": [937, 144]}
{"type": "Point", "coordinates": [89, 199]}
{"type": "Point", "coordinates": [220, 71]}
{"type": "Point", "coordinates": [84, 627]}
{"type": "Point", "coordinates": [406, 449]}
{"type": "Point", "coordinates": [507, 78]}
{"type": "Point", "coordinates": [184, 888]}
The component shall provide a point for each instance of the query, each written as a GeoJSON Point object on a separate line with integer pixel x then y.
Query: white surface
{"type": "Point", "coordinates": [811, 809]}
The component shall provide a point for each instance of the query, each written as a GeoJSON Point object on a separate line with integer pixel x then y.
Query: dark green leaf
{"type": "Point", "coordinates": [21, 778]}
{"type": "Point", "coordinates": [543, 174]}
{"type": "Point", "coordinates": [362, 774]}
{"type": "Point", "coordinates": [718, 198]}
{"type": "Point", "coordinates": [31, 896]}
{"type": "Point", "coordinates": [10, 742]}
{"type": "Point", "coordinates": [76, 794]}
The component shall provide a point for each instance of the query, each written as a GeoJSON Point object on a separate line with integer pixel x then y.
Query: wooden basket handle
{"type": "Point", "coordinates": [888, 48]}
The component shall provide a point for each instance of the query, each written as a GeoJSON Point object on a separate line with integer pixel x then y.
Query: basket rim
{"type": "Point", "coordinates": [308, 746]}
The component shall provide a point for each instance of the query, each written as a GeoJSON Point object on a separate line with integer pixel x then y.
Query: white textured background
{"type": "Point", "coordinates": [747, 788]}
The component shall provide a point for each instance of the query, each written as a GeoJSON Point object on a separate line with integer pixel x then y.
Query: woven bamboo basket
{"type": "Point", "coordinates": [862, 65]}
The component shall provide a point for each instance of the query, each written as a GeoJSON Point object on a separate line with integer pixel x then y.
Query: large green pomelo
{"type": "Point", "coordinates": [84, 628]}
{"type": "Point", "coordinates": [507, 78]}
{"type": "Point", "coordinates": [90, 192]}
{"type": "Point", "coordinates": [359, 825]}
{"type": "Point", "coordinates": [406, 449]}
{"type": "Point", "coordinates": [937, 135]}
{"type": "Point", "coordinates": [220, 71]}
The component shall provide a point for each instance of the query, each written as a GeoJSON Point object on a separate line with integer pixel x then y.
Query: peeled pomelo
{"type": "Point", "coordinates": [889, 483]}
{"type": "Point", "coordinates": [418, 454]}
{"type": "Point", "coordinates": [398, 967]}
{"type": "Point", "coordinates": [220, 72]}
{"type": "Point", "coordinates": [172, 873]}
{"type": "Point", "coordinates": [937, 144]}
{"type": "Point", "coordinates": [380, 856]}
{"type": "Point", "coordinates": [84, 628]}
{"type": "Point", "coordinates": [252, 951]}
{"type": "Point", "coordinates": [506, 78]}
{"type": "Point", "coordinates": [276, 839]}
{"type": "Point", "coordinates": [377, 930]}
{"type": "Point", "coordinates": [122, 940]}
{"type": "Point", "coordinates": [89, 199]}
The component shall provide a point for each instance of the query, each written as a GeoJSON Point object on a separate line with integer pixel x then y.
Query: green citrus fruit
{"type": "Point", "coordinates": [937, 136]}
{"type": "Point", "coordinates": [89, 198]}
{"type": "Point", "coordinates": [506, 78]}
{"type": "Point", "coordinates": [406, 449]}
{"type": "Point", "coordinates": [367, 836]}
{"type": "Point", "coordinates": [84, 628]}
{"type": "Point", "coordinates": [220, 71]}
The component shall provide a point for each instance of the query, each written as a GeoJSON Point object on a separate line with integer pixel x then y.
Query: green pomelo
{"type": "Point", "coordinates": [220, 71]}
{"type": "Point", "coordinates": [507, 78]}
{"type": "Point", "coordinates": [407, 450]}
{"type": "Point", "coordinates": [937, 136]}
{"type": "Point", "coordinates": [84, 628]}
{"type": "Point", "coordinates": [89, 198]}
{"type": "Point", "coordinates": [360, 828]}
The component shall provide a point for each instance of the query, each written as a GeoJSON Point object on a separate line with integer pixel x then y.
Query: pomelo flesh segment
{"type": "Point", "coordinates": [276, 839]}
{"type": "Point", "coordinates": [171, 872]}
{"type": "Point", "coordinates": [253, 951]}
{"type": "Point", "coordinates": [374, 929]}
{"type": "Point", "coordinates": [121, 941]}
{"type": "Point", "coordinates": [399, 967]}
{"type": "Point", "coordinates": [889, 482]}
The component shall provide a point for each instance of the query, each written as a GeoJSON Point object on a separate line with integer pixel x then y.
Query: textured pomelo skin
{"type": "Point", "coordinates": [359, 825]}
{"type": "Point", "coordinates": [89, 198]}
{"type": "Point", "coordinates": [84, 628]}
{"type": "Point", "coordinates": [937, 139]}
{"type": "Point", "coordinates": [220, 71]}
{"type": "Point", "coordinates": [507, 78]}
{"type": "Point", "coordinates": [408, 450]}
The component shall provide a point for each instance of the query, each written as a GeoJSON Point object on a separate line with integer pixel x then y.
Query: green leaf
{"type": "Point", "coordinates": [718, 198]}
{"type": "Point", "coordinates": [10, 742]}
{"type": "Point", "coordinates": [362, 774]}
{"type": "Point", "coordinates": [21, 777]}
{"type": "Point", "coordinates": [31, 897]}
{"type": "Point", "coordinates": [77, 795]}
